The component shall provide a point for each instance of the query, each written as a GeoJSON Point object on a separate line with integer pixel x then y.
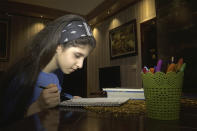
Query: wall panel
{"type": "Point", "coordinates": [100, 57]}
{"type": "Point", "coordinates": [22, 30]}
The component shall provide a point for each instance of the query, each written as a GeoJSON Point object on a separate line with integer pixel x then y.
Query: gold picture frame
{"type": "Point", "coordinates": [4, 39]}
{"type": "Point", "coordinates": [123, 40]}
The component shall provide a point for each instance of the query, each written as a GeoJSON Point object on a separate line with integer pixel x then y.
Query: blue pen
{"type": "Point", "coordinates": [69, 96]}
{"type": "Point", "coordinates": [155, 68]}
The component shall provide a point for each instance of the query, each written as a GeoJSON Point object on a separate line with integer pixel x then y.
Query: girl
{"type": "Point", "coordinates": [63, 44]}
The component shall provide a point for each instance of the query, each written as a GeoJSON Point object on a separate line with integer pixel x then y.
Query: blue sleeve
{"type": "Point", "coordinates": [44, 79]}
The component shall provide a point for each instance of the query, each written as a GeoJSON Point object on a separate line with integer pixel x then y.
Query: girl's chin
{"type": "Point", "coordinates": [68, 71]}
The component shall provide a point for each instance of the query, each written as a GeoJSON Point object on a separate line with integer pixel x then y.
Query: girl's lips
{"type": "Point", "coordinates": [73, 69]}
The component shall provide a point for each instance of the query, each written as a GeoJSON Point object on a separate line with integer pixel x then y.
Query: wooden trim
{"type": "Point", "coordinates": [107, 9]}
{"type": "Point", "coordinates": [100, 8]}
{"type": "Point", "coordinates": [16, 8]}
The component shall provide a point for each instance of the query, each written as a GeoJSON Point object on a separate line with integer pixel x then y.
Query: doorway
{"type": "Point", "coordinates": [149, 43]}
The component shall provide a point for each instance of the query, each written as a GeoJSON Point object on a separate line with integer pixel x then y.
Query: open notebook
{"type": "Point", "coordinates": [94, 102]}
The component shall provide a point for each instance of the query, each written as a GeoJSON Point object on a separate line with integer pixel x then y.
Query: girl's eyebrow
{"type": "Point", "coordinates": [80, 54]}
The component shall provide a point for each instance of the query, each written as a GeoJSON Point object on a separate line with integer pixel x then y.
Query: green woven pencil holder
{"type": "Point", "coordinates": [162, 94]}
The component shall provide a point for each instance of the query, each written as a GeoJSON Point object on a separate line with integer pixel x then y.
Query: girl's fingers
{"type": "Point", "coordinates": [51, 88]}
{"type": "Point", "coordinates": [76, 97]}
{"type": "Point", "coordinates": [52, 102]}
{"type": "Point", "coordinates": [48, 95]}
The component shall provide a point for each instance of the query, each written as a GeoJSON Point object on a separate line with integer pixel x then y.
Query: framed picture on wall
{"type": "Point", "coordinates": [4, 39]}
{"type": "Point", "coordinates": [123, 40]}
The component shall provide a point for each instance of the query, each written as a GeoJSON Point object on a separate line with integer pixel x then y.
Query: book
{"type": "Point", "coordinates": [72, 109]}
{"type": "Point", "coordinates": [134, 94]}
{"type": "Point", "coordinates": [94, 102]}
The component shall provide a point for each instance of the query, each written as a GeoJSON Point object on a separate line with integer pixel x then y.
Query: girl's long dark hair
{"type": "Point", "coordinates": [25, 71]}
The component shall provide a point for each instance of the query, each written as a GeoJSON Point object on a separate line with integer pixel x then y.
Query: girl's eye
{"type": "Point", "coordinates": [77, 56]}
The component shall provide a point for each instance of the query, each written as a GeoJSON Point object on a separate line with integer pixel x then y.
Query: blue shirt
{"type": "Point", "coordinates": [44, 79]}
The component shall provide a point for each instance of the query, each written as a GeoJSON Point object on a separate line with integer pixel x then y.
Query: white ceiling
{"type": "Point", "coordinates": [82, 7]}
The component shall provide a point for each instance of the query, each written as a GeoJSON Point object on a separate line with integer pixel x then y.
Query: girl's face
{"type": "Point", "coordinates": [71, 58]}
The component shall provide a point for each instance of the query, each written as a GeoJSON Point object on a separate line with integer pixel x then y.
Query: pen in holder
{"type": "Point", "coordinates": [162, 94]}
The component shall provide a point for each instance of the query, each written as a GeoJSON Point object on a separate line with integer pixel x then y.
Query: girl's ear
{"type": "Point", "coordinates": [59, 48]}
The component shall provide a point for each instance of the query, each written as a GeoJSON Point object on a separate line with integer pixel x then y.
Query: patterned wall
{"type": "Point", "coordinates": [100, 57]}
{"type": "Point", "coordinates": [22, 29]}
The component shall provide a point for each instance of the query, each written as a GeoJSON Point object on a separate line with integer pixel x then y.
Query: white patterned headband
{"type": "Point", "coordinates": [74, 30]}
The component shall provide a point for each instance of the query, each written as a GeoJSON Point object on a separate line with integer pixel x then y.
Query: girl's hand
{"type": "Point", "coordinates": [76, 97]}
{"type": "Point", "coordinates": [49, 97]}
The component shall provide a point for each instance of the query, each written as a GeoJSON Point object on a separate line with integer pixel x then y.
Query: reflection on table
{"type": "Point", "coordinates": [81, 119]}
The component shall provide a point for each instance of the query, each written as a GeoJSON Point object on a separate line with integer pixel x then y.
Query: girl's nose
{"type": "Point", "coordinates": [80, 63]}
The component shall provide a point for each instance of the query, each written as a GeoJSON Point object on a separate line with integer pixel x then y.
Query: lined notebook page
{"type": "Point", "coordinates": [94, 102]}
